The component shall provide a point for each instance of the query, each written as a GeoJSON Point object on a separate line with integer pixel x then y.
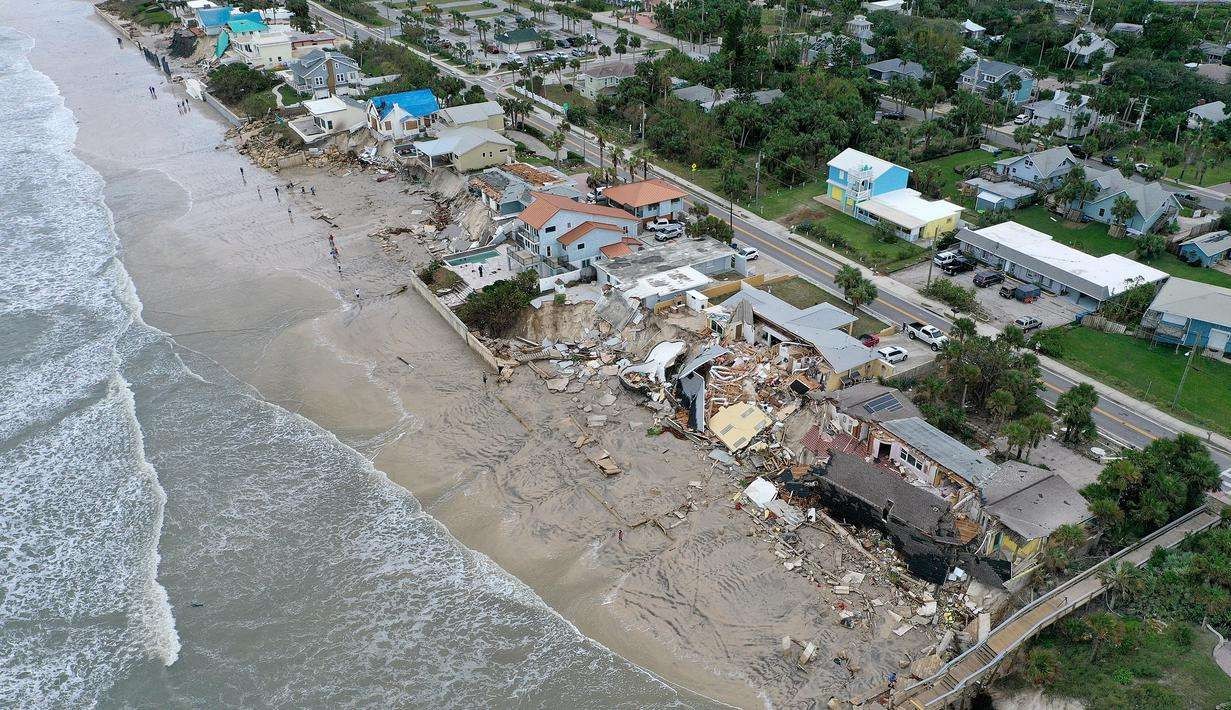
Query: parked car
{"type": "Point", "coordinates": [596, 194]}
{"type": "Point", "coordinates": [893, 116]}
{"type": "Point", "coordinates": [945, 257]}
{"type": "Point", "coordinates": [892, 354]}
{"type": "Point", "coordinates": [870, 340]}
{"type": "Point", "coordinates": [1079, 150]}
{"type": "Point", "coordinates": [1110, 160]}
{"type": "Point", "coordinates": [929, 334]}
{"type": "Point", "coordinates": [1141, 167]}
{"type": "Point", "coordinates": [749, 253]}
{"type": "Point", "coordinates": [561, 43]}
{"type": "Point", "coordinates": [666, 235]}
{"type": "Point", "coordinates": [575, 41]}
{"type": "Point", "coordinates": [1006, 292]}
{"type": "Point", "coordinates": [957, 266]}
{"type": "Point", "coordinates": [1021, 119]}
{"type": "Point", "coordinates": [661, 223]}
{"type": "Point", "coordinates": [1185, 196]}
{"type": "Point", "coordinates": [491, 49]}
{"type": "Point", "coordinates": [1027, 323]}
{"type": "Point", "coordinates": [579, 52]}
{"type": "Point", "coordinates": [983, 279]}
{"type": "Point", "coordinates": [512, 57]}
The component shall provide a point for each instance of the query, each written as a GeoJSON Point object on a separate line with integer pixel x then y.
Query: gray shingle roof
{"type": "Point", "coordinates": [1192, 299]}
{"type": "Point", "coordinates": [1212, 243]}
{"type": "Point", "coordinates": [1149, 196]}
{"type": "Point", "coordinates": [815, 325]}
{"type": "Point", "coordinates": [1033, 502]}
{"type": "Point", "coordinates": [871, 401]}
{"type": "Point", "coordinates": [947, 452]}
{"type": "Point", "coordinates": [913, 70]}
{"type": "Point", "coordinates": [877, 487]}
{"type": "Point", "coordinates": [1049, 163]}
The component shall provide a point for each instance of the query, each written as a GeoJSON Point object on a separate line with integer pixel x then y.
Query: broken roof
{"type": "Point", "coordinates": [815, 326]}
{"type": "Point", "coordinates": [1212, 243]}
{"type": "Point", "coordinates": [1033, 502]}
{"type": "Point", "coordinates": [947, 452]}
{"type": "Point", "coordinates": [735, 425]}
{"type": "Point", "coordinates": [870, 401]}
{"type": "Point", "coordinates": [880, 489]}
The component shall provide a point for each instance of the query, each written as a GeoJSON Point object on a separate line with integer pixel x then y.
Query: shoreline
{"type": "Point", "coordinates": [318, 401]}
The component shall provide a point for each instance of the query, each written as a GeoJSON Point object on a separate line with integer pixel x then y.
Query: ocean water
{"type": "Point", "coordinates": [170, 540]}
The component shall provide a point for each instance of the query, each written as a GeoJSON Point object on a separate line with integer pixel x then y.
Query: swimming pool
{"type": "Point", "coordinates": [473, 258]}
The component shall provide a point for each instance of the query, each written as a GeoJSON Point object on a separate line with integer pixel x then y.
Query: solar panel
{"type": "Point", "coordinates": [887, 402]}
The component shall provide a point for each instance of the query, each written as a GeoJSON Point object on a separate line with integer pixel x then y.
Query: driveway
{"type": "Point", "coordinates": [1052, 310]}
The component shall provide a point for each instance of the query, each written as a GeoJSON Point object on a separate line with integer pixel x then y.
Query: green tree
{"type": "Point", "coordinates": [710, 226]}
{"type": "Point", "coordinates": [1018, 437]}
{"type": "Point", "coordinates": [1150, 246]}
{"type": "Point", "coordinates": [1124, 579]}
{"type": "Point", "coordinates": [1039, 425]}
{"type": "Point", "coordinates": [1076, 410]}
{"type": "Point", "coordinates": [847, 278]}
{"type": "Point", "coordinates": [1104, 629]}
{"type": "Point", "coordinates": [1062, 546]}
{"type": "Point", "coordinates": [1000, 405]}
{"type": "Point", "coordinates": [1123, 209]}
{"type": "Point", "coordinates": [496, 307]}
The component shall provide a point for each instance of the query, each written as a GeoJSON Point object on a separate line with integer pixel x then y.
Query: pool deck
{"type": "Point", "coordinates": [495, 268]}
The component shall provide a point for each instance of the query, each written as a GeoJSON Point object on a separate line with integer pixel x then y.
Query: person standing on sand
{"type": "Point", "coordinates": [244, 177]}
{"type": "Point", "coordinates": [277, 194]}
{"type": "Point", "coordinates": [356, 294]}
{"type": "Point", "coordinates": [313, 190]}
{"type": "Point", "coordinates": [119, 41]}
{"type": "Point", "coordinates": [258, 194]}
{"type": "Point", "coordinates": [289, 215]}
{"type": "Point", "coordinates": [485, 379]}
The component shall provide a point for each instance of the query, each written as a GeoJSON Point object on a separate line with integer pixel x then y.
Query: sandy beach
{"type": "Point", "coordinates": [250, 293]}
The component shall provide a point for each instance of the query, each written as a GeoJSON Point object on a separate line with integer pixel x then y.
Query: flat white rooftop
{"type": "Point", "coordinates": [907, 208]}
{"type": "Point", "coordinates": [1112, 272]}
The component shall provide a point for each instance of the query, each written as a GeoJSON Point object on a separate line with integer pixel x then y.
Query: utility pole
{"type": "Point", "coordinates": [1187, 364]}
{"type": "Point", "coordinates": [1142, 116]}
{"type": "Point", "coordinates": [756, 191]}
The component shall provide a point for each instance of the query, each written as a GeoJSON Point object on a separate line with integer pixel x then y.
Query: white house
{"type": "Point", "coordinates": [972, 30]}
{"type": "Point", "coordinates": [647, 199]}
{"type": "Point", "coordinates": [407, 114]}
{"type": "Point", "coordinates": [1207, 114]}
{"type": "Point", "coordinates": [1086, 44]}
{"type": "Point", "coordinates": [596, 79]}
{"type": "Point", "coordinates": [328, 117]}
{"type": "Point", "coordinates": [571, 233]}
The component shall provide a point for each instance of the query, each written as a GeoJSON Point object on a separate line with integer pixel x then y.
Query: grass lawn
{"type": "Point", "coordinates": [1090, 237]}
{"type": "Point", "coordinates": [1153, 374]}
{"type": "Point", "coordinates": [860, 241]}
{"type": "Point", "coordinates": [1217, 173]}
{"type": "Point", "coordinates": [290, 97]}
{"type": "Point", "coordinates": [1159, 670]}
{"type": "Point", "coordinates": [1173, 265]}
{"type": "Point", "coordinates": [780, 203]}
{"type": "Point", "coordinates": [802, 293]}
{"type": "Point", "coordinates": [966, 159]}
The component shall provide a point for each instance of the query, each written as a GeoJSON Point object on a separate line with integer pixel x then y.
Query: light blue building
{"type": "Point", "coordinates": [1207, 249]}
{"type": "Point", "coordinates": [214, 19]}
{"type": "Point", "coordinates": [1043, 170]}
{"type": "Point", "coordinates": [986, 73]}
{"type": "Point", "coordinates": [855, 176]}
{"type": "Point", "coordinates": [1191, 313]}
{"type": "Point", "coordinates": [1155, 206]}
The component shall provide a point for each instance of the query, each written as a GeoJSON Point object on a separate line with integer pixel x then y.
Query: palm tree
{"type": "Point", "coordinates": [847, 278]}
{"type": "Point", "coordinates": [602, 137]}
{"type": "Point", "coordinates": [1123, 210]}
{"type": "Point", "coordinates": [555, 141]}
{"type": "Point", "coordinates": [1000, 405]}
{"type": "Point", "coordinates": [1123, 578]}
{"type": "Point", "coordinates": [864, 292]}
{"type": "Point", "coordinates": [481, 27]}
{"type": "Point", "coordinates": [641, 155]}
{"type": "Point", "coordinates": [1038, 425]}
{"type": "Point", "coordinates": [1018, 436]}
{"type": "Point", "coordinates": [617, 155]}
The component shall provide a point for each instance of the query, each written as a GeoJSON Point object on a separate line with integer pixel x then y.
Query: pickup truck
{"type": "Point", "coordinates": [926, 333]}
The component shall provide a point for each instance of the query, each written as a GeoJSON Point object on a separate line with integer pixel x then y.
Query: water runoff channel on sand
{"type": "Point", "coordinates": [174, 541]}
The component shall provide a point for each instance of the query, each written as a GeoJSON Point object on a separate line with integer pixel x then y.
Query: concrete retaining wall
{"type": "Point", "coordinates": [221, 108]}
{"type": "Point", "coordinates": [455, 323]}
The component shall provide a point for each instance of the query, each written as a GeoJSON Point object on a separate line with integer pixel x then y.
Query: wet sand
{"type": "Point", "coordinates": [250, 292]}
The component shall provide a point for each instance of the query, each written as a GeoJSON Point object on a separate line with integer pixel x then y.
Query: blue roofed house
{"type": "Point", "coordinates": [1043, 170]}
{"type": "Point", "coordinates": [1207, 249]}
{"type": "Point", "coordinates": [403, 115]}
{"type": "Point", "coordinates": [855, 176]}
{"type": "Point", "coordinates": [1192, 313]}
{"type": "Point", "coordinates": [986, 73]}
{"type": "Point", "coordinates": [1155, 205]}
{"type": "Point", "coordinates": [214, 19]}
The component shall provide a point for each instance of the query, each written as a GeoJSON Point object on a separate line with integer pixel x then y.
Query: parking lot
{"type": "Point", "coordinates": [1051, 309]}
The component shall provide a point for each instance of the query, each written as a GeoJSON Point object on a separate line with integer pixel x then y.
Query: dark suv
{"type": "Point", "coordinates": [959, 265]}
{"type": "Point", "coordinates": [983, 279]}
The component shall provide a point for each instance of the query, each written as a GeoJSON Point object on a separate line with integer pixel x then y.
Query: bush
{"type": "Point", "coordinates": [256, 105]}
{"type": "Point", "coordinates": [949, 293]}
{"type": "Point", "coordinates": [232, 83]}
{"type": "Point", "coordinates": [495, 308]}
{"type": "Point", "coordinates": [1048, 342]}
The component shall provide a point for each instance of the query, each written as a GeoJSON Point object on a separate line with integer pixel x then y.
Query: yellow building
{"type": "Point", "coordinates": [465, 149]}
{"type": "Point", "coordinates": [913, 217]}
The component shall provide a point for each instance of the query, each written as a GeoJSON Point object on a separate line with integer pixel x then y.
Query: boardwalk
{"type": "Point", "coordinates": [945, 686]}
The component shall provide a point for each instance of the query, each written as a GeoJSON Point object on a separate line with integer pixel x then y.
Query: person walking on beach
{"type": "Point", "coordinates": [485, 380]}
{"type": "Point", "coordinates": [259, 195]}
{"type": "Point", "coordinates": [289, 215]}
{"type": "Point", "coordinates": [313, 191]}
{"type": "Point", "coordinates": [277, 194]}
{"type": "Point", "coordinates": [245, 177]}
{"type": "Point", "coordinates": [480, 271]}
{"type": "Point", "coordinates": [356, 294]}
{"type": "Point", "coordinates": [119, 41]}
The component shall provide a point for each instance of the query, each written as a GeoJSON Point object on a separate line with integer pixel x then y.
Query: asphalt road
{"type": "Point", "coordinates": [1115, 421]}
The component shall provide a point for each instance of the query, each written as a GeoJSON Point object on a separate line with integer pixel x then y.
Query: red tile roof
{"type": "Point", "coordinates": [546, 206]}
{"type": "Point", "coordinates": [585, 228]}
{"type": "Point", "coordinates": [645, 192]}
